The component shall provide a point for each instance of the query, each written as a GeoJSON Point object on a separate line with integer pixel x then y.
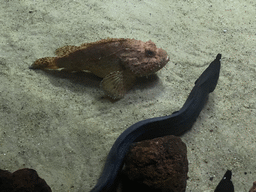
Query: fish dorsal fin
{"type": "Point", "coordinates": [102, 41]}
{"type": "Point", "coordinates": [70, 48]}
{"type": "Point", "coordinates": [66, 50]}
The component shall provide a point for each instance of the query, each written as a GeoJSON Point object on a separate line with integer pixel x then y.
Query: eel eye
{"type": "Point", "coordinates": [149, 53]}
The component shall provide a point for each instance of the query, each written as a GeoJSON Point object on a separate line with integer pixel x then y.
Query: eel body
{"type": "Point", "coordinates": [225, 185]}
{"type": "Point", "coordinates": [175, 124]}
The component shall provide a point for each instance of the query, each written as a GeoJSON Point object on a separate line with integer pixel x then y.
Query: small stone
{"type": "Point", "coordinates": [160, 163]}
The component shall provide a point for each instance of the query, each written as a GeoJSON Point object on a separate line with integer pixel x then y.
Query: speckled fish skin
{"type": "Point", "coordinates": [117, 61]}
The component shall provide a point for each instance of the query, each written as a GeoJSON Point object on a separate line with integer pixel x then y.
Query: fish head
{"type": "Point", "coordinates": [144, 58]}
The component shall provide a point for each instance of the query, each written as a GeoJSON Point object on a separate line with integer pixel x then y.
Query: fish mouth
{"type": "Point", "coordinates": [164, 61]}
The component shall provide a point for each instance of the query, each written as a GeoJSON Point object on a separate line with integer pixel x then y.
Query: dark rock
{"type": "Point", "coordinates": [5, 181]}
{"type": "Point", "coordinates": [22, 180]}
{"type": "Point", "coordinates": [160, 164]}
{"type": "Point", "coordinates": [253, 189]}
{"type": "Point", "coordinates": [225, 185]}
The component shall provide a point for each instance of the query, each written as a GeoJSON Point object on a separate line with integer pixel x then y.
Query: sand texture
{"type": "Point", "coordinates": [60, 125]}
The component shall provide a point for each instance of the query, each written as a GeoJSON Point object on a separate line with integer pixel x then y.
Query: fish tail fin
{"type": "Point", "coordinates": [44, 63]}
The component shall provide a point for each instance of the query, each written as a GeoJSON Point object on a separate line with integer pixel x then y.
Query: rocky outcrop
{"type": "Point", "coordinates": [159, 163]}
{"type": "Point", "coordinates": [25, 180]}
{"type": "Point", "coordinates": [253, 189]}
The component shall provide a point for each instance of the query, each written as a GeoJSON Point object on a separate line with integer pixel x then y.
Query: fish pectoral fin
{"type": "Point", "coordinates": [65, 50]}
{"type": "Point", "coordinates": [116, 84]}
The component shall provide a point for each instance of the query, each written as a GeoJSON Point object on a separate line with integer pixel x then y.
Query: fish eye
{"type": "Point", "coordinates": [149, 53]}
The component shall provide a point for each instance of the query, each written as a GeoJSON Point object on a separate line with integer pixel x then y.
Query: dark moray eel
{"type": "Point", "coordinates": [175, 124]}
{"type": "Point", "coordinates": [225, 185]}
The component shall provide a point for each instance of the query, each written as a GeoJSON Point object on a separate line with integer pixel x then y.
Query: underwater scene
{"type": "Point", "coordinates": [118, 96]}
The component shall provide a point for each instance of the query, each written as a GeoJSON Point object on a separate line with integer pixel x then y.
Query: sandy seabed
{"type": "Point", "coordinates": [60, 125]}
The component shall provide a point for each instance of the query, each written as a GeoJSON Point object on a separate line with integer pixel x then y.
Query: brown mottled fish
{"type": "Point", "coordinates": [117, 61]}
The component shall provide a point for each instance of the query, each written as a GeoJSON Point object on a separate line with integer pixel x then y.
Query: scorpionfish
{"type": "Point", "coordinates": [118, 61]}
